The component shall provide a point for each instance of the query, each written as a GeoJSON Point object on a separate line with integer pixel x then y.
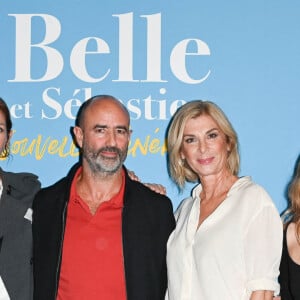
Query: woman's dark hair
{"type": "Point", "coordinates": [8, 123]}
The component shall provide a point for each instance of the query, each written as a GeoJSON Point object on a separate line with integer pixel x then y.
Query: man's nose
{"type": "Point", "coordinates": [111, 138]}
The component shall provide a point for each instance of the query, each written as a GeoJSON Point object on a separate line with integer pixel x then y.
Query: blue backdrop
{"type": "Point", "coordinates": [154, 56]}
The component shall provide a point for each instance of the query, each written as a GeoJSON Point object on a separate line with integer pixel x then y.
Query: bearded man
{"type": "Point", "coordinates": [97, 234]}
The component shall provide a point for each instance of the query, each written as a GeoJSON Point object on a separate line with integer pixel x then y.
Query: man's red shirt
{"type": "Point", "coordinates": [92, 258]}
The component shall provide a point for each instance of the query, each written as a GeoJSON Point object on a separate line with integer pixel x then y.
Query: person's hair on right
{"type": "Point", "coordinates": [293, 211]}
{"type": "Point", "coordinates": [179, 170]}
{"type": "Point", "coordinates": [8, 124]}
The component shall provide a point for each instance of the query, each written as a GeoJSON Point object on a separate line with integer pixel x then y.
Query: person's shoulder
{"type": "Point", "coordinates": [141, 194]}
{"type": "Point", "coordinates": [188, 202]}
{"type": "Point", "coordinates": [184, 206]}
{"type": "Point", "coordinates": [61, 184]}
{"type": "Point", "coordinates": [21, 186]}
{"type": "Point", "coordinates": [246, 184]}
{"type": "Point", "coordinates": [247, 189]}
{"type": "Point", "coordinates": [20, 176]}
{"type": "Point", "coordinates": [50, 196]}
{"type": "Point", "coordinates": [56, 185]}
{"type": "Point", "coordinates": [141, 189]}
{"type": "Point", "coordinates": [53, 189]}
{"type": "Point", "coordinates": [24, 182]}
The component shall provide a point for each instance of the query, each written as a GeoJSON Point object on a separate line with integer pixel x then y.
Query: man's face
{"type": "Point", "coordinates": [104, 136]}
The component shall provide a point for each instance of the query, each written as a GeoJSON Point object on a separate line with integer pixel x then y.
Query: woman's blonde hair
{"type": "Point", "coordinates": [179, 170]}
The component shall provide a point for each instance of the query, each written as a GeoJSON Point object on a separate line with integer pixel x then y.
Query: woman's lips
{"type": "Point", "coordinates": [205, 161]}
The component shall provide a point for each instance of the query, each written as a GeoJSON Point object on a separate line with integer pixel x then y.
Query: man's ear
{"type": "Point", "coordinates": [129, 135]}
{"type": "Point", "coordinates": [78, 134]}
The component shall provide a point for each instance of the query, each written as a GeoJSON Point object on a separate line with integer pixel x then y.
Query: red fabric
{"type": "Point", "coordinates": [92, 259]}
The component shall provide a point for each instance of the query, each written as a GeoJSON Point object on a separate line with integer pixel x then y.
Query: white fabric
{"type": "Point", "coordinates": [3, 292]}
{"type": "Point", "coordinates": [28, 214]}
{"type": "Point", "coordinates": [1, 187]}
{"type": "Point", "coordinates": [235, 251]}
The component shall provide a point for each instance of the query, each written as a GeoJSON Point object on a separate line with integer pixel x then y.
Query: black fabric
{"type": "Point", "coordinates": [289, 278]}
{"type": "Point", "coordinates": [147, 221]}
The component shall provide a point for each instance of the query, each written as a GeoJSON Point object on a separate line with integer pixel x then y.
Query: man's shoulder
{"type": "Point", "coordinates": [139, 188]}
{"type": "Point", "coordinates": [144, 207]}
{"type": "Point", "coordinates": [139, 192]}
{"type": "Point", "coordinates": [61, 185]}
{"type": "Point", "coordinates": [49, 197]}
{"type": "Point", "coordinates": [58, 185]}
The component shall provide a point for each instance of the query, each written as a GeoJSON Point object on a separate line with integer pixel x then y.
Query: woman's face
{"type": "Point", "coordinates": [3, 132]}
{"type": "Point", "coordinates": [204, 147]}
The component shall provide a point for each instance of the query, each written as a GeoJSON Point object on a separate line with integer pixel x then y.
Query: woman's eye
{"type": "Point", "coordinates": [212, 135]}
{"type": "Point", "coordinates": [189, 140]}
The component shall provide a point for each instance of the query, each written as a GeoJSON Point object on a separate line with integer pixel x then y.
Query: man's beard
{"type": "Point", "coordinates": [100, 164]}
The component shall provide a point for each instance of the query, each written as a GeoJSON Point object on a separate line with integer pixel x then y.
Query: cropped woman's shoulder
{"type": "Point", "coordinates": [20, 184]}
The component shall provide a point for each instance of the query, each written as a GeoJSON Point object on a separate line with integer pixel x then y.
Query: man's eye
{"type": "Point", "coordinates": [121, 131]}
{"type": "Point", "coordinates": [99, 130]}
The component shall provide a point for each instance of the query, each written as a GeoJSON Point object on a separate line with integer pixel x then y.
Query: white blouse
{"type": "Point", "coordinates": [235, 251]}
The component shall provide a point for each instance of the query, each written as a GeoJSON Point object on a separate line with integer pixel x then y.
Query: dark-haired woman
{"type": "Point", "coordinates": [290, 262]}
{"type": "Point", "coordinates": [16, 195]}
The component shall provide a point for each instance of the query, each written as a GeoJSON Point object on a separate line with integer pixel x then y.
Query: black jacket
{"type": "Point", "coordinates": [147, 221]}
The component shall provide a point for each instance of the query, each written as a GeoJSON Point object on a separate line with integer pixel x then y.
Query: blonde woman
{"type": "Point", "coordinates": [228, 235]}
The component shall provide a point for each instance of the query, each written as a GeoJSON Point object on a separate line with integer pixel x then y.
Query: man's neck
{"type": "Point", "coordinates": [94, 190]}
